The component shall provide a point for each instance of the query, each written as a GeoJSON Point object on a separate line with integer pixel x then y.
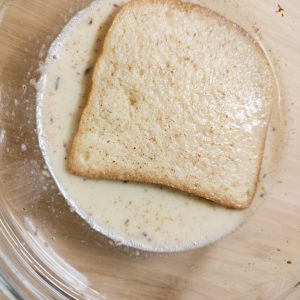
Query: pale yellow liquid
{"type": "Point", "coordinates": [143, 216]}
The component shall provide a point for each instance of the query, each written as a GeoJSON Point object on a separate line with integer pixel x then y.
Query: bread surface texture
{"type": "Point", "coordinates": [180, 97]}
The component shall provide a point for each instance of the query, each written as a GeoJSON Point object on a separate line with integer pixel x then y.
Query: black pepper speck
{"type": "Point", "coordinates": [57, 83]}
{"type": "Point", "coordinates": [87, 71]}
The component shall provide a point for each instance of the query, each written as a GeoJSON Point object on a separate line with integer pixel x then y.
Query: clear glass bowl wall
{"type": "Point", "coordinates": [48, 252]}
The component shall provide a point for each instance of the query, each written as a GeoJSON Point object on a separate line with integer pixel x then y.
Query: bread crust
{"type": "Point", "coordinates": [134, 176]}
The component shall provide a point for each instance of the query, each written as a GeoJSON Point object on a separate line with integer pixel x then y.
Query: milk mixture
{"type": "Point", "coordinates": [148, 217]}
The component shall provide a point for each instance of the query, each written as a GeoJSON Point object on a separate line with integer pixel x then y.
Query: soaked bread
{"type": "Point", "coordinates": [180, 97]}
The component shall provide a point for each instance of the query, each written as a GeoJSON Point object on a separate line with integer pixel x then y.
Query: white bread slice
{"type": "Point", "coordinates": [180, 97]}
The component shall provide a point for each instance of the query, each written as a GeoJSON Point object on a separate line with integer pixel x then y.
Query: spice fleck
{"type": "Point", "coordinates": [280, 10]}
{"type": "Point", "coordinates": [57, 83]}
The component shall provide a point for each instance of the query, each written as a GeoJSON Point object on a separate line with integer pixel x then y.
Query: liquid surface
{"type": "Point", "coordinates": [144, 216]}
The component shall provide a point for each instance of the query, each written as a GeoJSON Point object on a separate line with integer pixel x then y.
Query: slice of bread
{"type": "Point", "coordinates": [180, 97]}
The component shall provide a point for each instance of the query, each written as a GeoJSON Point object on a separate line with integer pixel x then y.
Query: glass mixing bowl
{"type": "Point", "coordinates": [49, 252]}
